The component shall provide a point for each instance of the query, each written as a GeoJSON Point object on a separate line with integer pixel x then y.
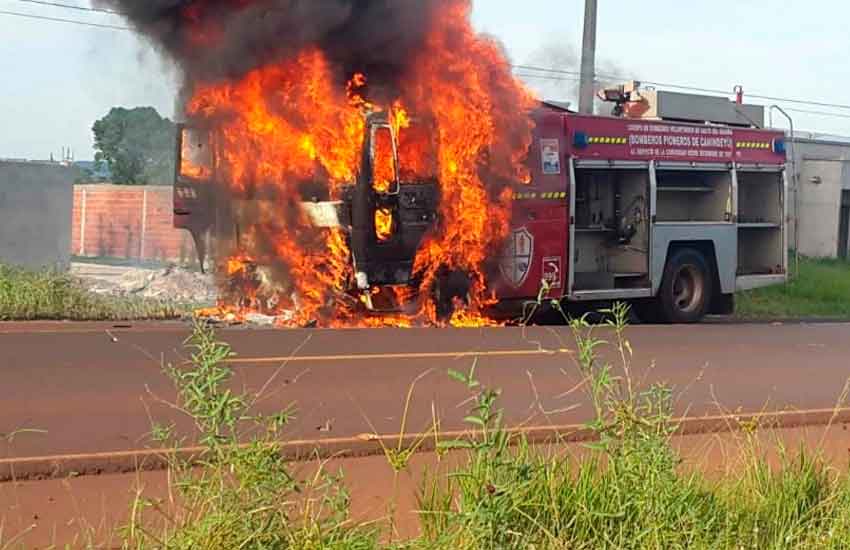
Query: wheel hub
{"type": "Point", "coordinates": [687, 289]}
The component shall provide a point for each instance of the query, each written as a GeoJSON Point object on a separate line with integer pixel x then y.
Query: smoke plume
{"type": "Point", "coordinates": [557, 54]}
{"type": "Point", "coordinates": [216, 40]}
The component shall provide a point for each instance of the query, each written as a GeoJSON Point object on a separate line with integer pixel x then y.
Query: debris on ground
{"type": "Point", "coordinates": [230, 317]}
{"type": "Point", "coordinates": [170, 283]}
{"type": "Point", "coordinates": [260, 319]}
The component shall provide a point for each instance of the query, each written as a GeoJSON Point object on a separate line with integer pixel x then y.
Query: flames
{"type": "Point", "coordinates": [292, 131]}
{"type": "Point", "coordinates": [383, 224]}
{"type": "Point", "coordinates": [281, 123]}
{"type": "Point", "coordinates": [384, 168]}
{"type": "Point", "coordinates": [482, 118]}
{"type": "Point", "coordinates": [190, 165]}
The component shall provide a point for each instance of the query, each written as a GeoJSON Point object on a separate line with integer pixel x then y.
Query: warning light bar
{"type": "Point", "coordinates": [580, 140]}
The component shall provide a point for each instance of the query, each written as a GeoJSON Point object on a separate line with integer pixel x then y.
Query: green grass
{"type": "Point", "coordinates": [49, 295]}
{"type": "Point", "coordinates": [639, 499]}
{"type": "Point", "coordinates": [822, 289]}
{"type": "Point", "coordinates": [239, 496]}
{"type": "Point", "coordinates": [628, 491]}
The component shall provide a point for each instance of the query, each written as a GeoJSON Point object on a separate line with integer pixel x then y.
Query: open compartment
{"type": "Point", "coordinates": [611, 229]}
{"type": "Point", "coordinates": [760, 252]}
{"type": "Point", "coordinates": [759, 199]}
{"type": "Point", "coordinates": [693, 196]}
{"type": "Point", "coordinates": [760, 211]}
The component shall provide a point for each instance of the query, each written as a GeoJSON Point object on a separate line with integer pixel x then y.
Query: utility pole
{"type": "Point", "coordinates": [588, 59]}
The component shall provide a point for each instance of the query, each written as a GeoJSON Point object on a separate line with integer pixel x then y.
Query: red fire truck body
{"type": "Point", "coordinates": [618, 206]}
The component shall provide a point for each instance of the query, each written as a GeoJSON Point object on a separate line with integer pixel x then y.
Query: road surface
{"type": "Point", "coordinates": [97, 388]}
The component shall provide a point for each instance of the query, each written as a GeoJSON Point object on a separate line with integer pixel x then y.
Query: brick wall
{"type": "Point", "coordinates": [133, 222]}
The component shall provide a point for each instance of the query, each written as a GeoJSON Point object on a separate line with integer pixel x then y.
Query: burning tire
{"type": "Point", "coordinates": [686, 289]}
{"type": "Point", "coordinates": [450, 288]}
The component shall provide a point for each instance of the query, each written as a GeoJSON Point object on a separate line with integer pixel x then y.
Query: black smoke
{"type": "Point", "coordinates": [213, 40]}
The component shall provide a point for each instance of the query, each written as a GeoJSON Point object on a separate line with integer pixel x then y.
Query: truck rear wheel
{"type": "Point", "coordinates": [686, 289]}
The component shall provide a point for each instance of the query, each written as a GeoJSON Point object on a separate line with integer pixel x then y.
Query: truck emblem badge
{"type": "Point", "coordinates": [552, 271]}
{"type": "Point", "coordinates": [516, 261]}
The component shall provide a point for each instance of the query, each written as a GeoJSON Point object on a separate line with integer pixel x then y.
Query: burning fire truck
{"type": "Point", "coordinates": [673, 203]}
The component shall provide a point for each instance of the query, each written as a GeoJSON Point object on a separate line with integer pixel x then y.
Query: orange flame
{"type": "Point", "coordinates": [383, 162]}
{"type": "Point", "coordinates": [190, 165]}
{"type": "Point", "coordinates": [464, 83]}
{"type": "Point", "coordinates": [285, 126]}
{"type": "Point", "coordinates": [281, 121]}
{"type": "Point", "coordinates": [383, 224]}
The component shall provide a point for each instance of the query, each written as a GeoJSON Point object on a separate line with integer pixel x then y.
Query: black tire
{"type": "Point", "coordinates": [686, 288]}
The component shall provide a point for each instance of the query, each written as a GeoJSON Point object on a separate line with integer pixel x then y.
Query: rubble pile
{"type": "Point", "coordinates": [172, 283]}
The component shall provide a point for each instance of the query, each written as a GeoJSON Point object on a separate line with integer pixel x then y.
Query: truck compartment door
{"type": "Point", "coordinates": [536, 248]}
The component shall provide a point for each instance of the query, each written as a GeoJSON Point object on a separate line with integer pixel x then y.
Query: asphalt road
{"type": "Point", "coordinates": [89, 388]}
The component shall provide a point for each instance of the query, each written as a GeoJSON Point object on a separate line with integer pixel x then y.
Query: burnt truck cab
{"type": "Point", "coordinates": [385, 212]}
{"type": "Point", "coordinates": [388, 210]}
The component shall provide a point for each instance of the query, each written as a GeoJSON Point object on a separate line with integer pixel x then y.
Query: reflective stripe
{"type": "Point", "coordinates": [753, 145]}
{"type": "Point", "coordinates": [549, 195]}
{"type": "Point", "coordinates": [606, 140]}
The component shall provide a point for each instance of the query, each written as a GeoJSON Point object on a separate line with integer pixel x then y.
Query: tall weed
{"type": "Point", "coordinates": [629, 489]}
{"type": "Point", "coordinates": [241, 492]}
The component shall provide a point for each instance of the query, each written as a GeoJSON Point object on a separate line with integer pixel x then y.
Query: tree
{"type": "Point", "coordinates": [137, 145]}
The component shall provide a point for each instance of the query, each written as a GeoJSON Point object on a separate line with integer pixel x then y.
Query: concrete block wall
{"type": "Point", "coordinates": [35, 214]}
{"type": "Point", "coordinates": [127, 222]}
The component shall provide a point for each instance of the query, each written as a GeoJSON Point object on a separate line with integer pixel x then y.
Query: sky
{"type": "Point", "coordinates": [57, 78]}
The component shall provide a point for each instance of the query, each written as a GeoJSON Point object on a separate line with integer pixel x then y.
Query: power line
{"type": "Point", "coordinates": [800, 101]}
{"type": "Point", "coordinates": [817, 113]}
{"type": "Point", "coordinates": [70, 7]}
{"type": "Point", "coordinates": [545, 70]}
{"type": "Point", "coordinates": [60, 20]}
{"type": "Point", "coordinates": [544, 77]}
{"type": "Point", "coordinates": [618, 77]}
{"type": "Point", "coordinates": [549, 70]}
{"type": "Point", "coordinates": [564, 71]}
{"type": "Point", "coordinates": [691, 88]}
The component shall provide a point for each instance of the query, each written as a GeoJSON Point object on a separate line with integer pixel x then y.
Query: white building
{"type": "Point", "coordinates": [822, 168]}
